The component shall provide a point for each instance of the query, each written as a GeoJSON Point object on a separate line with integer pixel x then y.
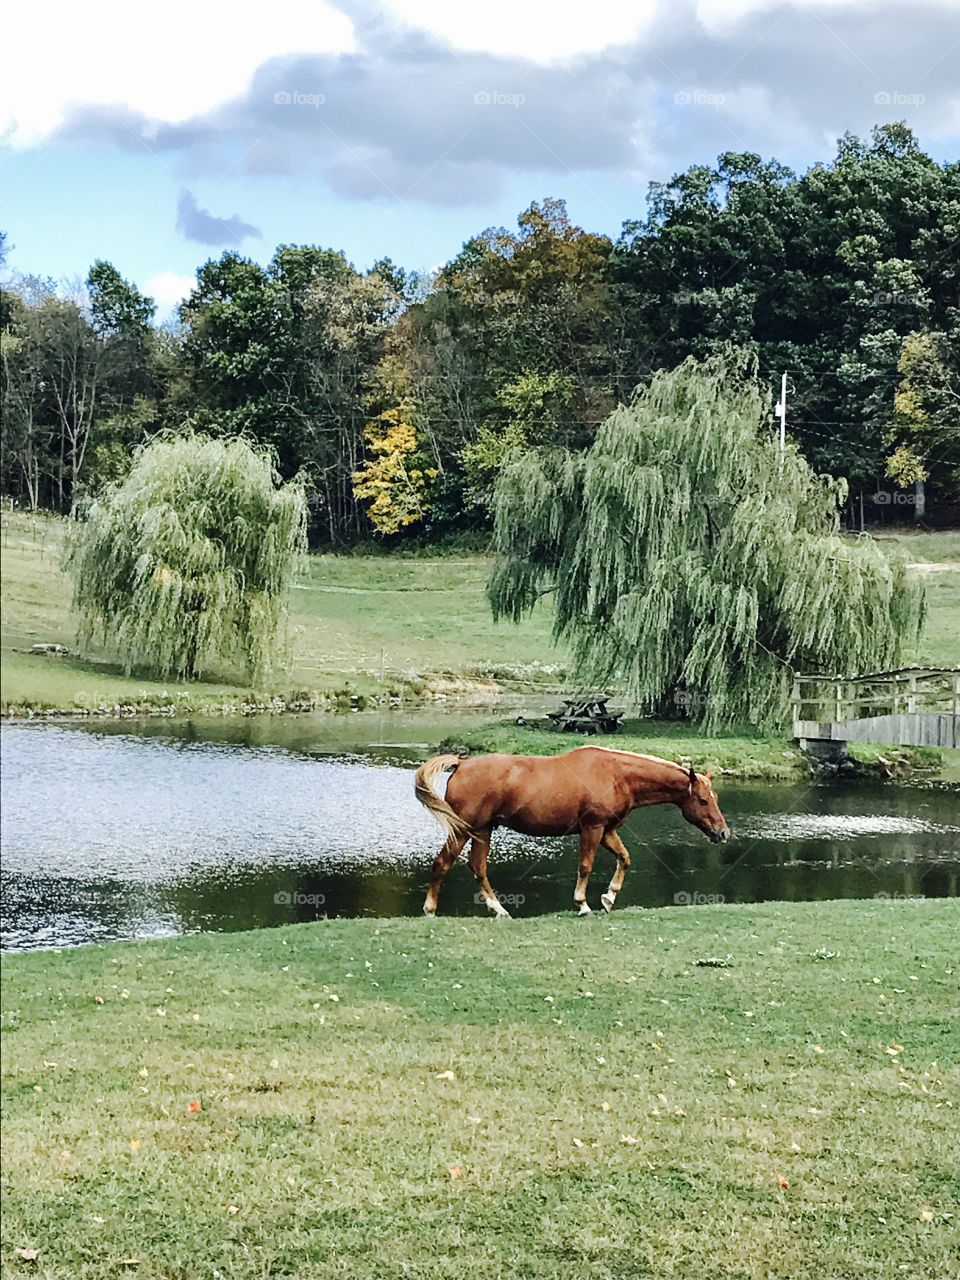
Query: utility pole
{"type": "Point", "coordinates": [781, 413]}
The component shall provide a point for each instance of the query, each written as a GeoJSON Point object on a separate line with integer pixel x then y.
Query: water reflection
{"type": "Point", "coordinates": [113, 833]}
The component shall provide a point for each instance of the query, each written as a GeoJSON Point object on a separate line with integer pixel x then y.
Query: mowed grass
{"type": "Point", "coordinates": [351, 619]}
{"type": "Point", "coordinates": [422, 623]}
{"type": "Point", "coordinates": [541, 1098]}
{"type": "Point", "coordinates": [937, 559]}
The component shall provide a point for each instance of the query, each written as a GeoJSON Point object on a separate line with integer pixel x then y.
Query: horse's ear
{"type": "Point", "coordinates": [709, 775]}
{"type": "Point", "coordinates": [693, 777]}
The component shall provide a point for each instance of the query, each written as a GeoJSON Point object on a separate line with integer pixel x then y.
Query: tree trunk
{"type": "Point", "coordinates": [919, 501]}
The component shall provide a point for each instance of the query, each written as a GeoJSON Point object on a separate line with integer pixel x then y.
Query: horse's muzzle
{"type": "Point", "coordinates": [721, 836]}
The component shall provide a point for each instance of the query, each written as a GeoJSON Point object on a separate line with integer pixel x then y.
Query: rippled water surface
{"type": "Point", "coordinates": [131, 830]}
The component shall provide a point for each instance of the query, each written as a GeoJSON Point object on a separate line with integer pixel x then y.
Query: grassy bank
{"type": "Point", "coordinates": [746, 755]}
{"type": "Point", "coordinates": [550, 1098]}
{"type": "Point", "coordinates": [363, 628]}
{"type": "Point", "coordinates": [423, 625]}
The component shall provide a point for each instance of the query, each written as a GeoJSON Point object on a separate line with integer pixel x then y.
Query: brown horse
{"type": "Point", "coordinates": [590, 790]}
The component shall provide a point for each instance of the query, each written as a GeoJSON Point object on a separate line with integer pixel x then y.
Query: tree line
{"type": "Point", "coordinates": [398, 396]}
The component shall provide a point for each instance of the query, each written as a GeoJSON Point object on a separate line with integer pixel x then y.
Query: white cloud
{"type": "Point", "coordinates": [716, 15]}
{"type": "Point", "coordinates": [541, 30]}
{"type": "Point", "coordinates": [170, 62]}
{"type": "Point", "coordinates": [166, 288]}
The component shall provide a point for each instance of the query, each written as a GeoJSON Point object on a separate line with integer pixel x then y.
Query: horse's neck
{"type": "Point", "coordinates": [654, 782]}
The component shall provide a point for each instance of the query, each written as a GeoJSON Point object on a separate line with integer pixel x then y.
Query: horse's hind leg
{"type": "Point", "coordinates": [589, 839]}
{"type": "Point", "coordinates": [619, 849]}
{"type": "Point", "coordinates": [441, 865]}
{"type": "Point", "coordinates": [477, 861]}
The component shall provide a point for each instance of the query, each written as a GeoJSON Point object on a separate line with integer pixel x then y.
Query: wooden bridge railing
{"type": "Point", "coordinates": [907, 690]}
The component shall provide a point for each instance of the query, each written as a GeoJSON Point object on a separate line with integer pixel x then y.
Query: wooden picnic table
{"type": "Point", "coordinates": [586, 713]}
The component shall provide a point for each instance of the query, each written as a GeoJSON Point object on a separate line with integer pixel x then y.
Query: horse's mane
{"type": "Point", "coordinates": [637, 755]}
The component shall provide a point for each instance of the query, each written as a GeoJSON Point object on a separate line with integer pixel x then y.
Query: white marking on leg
{"type": "Point", "coordinates": [580, 896]}
{"type": "Point", "coordinates": [608, 899]}
{"type": "Point", "coordinates": [497, 907]}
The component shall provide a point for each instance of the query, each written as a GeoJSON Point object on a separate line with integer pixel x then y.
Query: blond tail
{"type": "Point", "coordinates": [430, 798]}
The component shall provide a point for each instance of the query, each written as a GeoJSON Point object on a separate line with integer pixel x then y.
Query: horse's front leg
{"type": "Point", "coordinates": [589, 839]}
{"type": "Point", "coordinates": [616, 846]}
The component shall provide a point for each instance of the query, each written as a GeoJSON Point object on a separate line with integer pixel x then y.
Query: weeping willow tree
{"type": "Point", "coordinates": [691, 560]}
{"type": "Point", "coordinates": [187, 562]}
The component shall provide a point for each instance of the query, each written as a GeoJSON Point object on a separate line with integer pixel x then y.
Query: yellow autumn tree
{"type": "Point", "coordinates": [393, 480]}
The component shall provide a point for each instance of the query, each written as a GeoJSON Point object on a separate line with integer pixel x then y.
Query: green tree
{"type": "Point", "coordinates": [287, 354]}
{"type": "Point", "coordinates": [536, 404]}
{"type": "Point", "coordinates": [926, 426]}
{"type": "Point", "coordinates": [129, 408]}
{"type": "Point", "coordinates": [822, 275]}
{"type": "Point", "coordinates": [187, 562]}
{"type": "Point", "coordinates": [687, 554]}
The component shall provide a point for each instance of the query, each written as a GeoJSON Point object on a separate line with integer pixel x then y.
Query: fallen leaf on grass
{"type": "Point", "coordinates": [456, 1171]}
{"type": "Point", "coordinates": [782, 1182]}
{"type": "Point", "coordinates": [629, 1139]}
{"type": "Point", "coordinates": [194, 1106]}
{"type": "Point", "coordinates": [926, 1215]}
{"type": "Point", "coordinates": [98, 999]}
{"type": "Point", "coordinates": [606, 1105]}
{"type": "Point", "coordinates": [29, 1255]}
{"type": "Point", "coordinates": [134, 1144]}
{"type": "Point", "coordinates": [445, 1075]}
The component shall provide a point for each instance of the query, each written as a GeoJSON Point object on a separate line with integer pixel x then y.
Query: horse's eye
{"type": "Point", "coordinates": [704, 801]}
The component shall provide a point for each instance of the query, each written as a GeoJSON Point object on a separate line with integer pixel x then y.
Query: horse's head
{"type": "Point", "coordinates": [699, 807]}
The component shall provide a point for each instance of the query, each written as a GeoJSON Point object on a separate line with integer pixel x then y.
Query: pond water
{"type": "Point", "coordinates": [136, 829]}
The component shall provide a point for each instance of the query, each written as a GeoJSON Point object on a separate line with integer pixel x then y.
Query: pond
{"type": "Point", "coordinates": [138, 829]}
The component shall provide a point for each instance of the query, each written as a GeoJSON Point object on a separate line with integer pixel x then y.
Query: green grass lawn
{"type": "Point", "coordinates": [542, 1098]}
{"type": "Point", "coordinates": [936, 557]}
{"type": "Point", "coordinates": [425, 623]}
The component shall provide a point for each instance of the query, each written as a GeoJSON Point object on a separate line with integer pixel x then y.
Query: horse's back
{"type": "Point", "coordinates": [536, 794]}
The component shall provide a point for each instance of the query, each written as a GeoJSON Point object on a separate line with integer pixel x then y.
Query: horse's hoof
{"type": "Point", "coordinates": [584, 910]}
{"type": "Point", "coordinates": [429, 912]}
{"type": "Point", "coordinates": [607, 901]}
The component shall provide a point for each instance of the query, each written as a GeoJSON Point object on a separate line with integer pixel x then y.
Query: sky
{"type": "Point", "coordinates": [159, 137]}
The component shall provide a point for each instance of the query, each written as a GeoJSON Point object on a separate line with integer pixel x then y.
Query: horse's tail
{"type": "Point", "coordinates": [431, 799]}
